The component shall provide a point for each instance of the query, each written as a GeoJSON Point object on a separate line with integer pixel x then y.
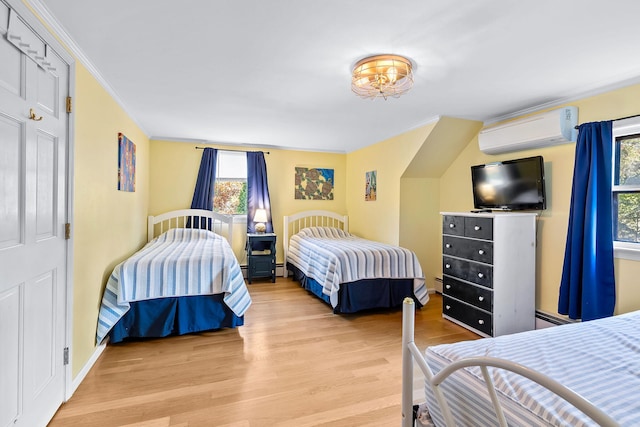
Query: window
{"type": "Point", "coordinates": [230, 191]}
{"type": "Point", "coordinates": [626, 188]}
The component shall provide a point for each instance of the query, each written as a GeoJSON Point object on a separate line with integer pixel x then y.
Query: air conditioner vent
{"type": "Point", "coordinates": [540, 130]}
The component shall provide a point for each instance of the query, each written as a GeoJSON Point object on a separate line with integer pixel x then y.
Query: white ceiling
{"type": "Point", "coordinates": [277, 73]}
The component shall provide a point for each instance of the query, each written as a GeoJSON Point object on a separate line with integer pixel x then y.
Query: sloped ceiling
{"type": "Point", "coordinates": [444, 143]}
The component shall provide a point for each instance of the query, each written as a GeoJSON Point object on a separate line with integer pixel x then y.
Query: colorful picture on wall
{"type": "Point", "coordinates": [370, 187]}
{"type": "Point", "coordinates": [126, 164]}
{"type": "Point", "coordinates": [314, 184]}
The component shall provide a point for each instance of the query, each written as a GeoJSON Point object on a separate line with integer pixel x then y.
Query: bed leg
{"type": "Point", "coordinates": [408, 321]}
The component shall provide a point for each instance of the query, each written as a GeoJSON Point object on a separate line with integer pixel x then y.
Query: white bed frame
{"type": "Point", "coordinates": [220, 224]}
{"type": "Point", "coordinates": [410, 352]}
{"type": "Point", "coordinates": [318, 218]}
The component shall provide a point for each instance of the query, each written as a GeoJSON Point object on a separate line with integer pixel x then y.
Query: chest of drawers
{"type": "Point", "coordinates": [488, 266]}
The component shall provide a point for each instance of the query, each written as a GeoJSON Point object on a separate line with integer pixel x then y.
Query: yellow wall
{"type": "Point", "coordinates": [380, 219]}
{"type": "Point", "coordinates": [455, 195]}
{"type": "Point", "coordinates": [108, 225]}
{"type": "Point", "coordinates": [174, 170]}
{"type": "Point", "coordinates": [420, 228]}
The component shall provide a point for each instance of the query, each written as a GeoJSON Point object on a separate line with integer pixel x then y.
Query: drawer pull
{"type": "Point", "coordinates": [448, 286]}
{"type": "Point", "coordinates": [447, 245]}
{"type": "Point", "coordinates": [481, 322]}
{"type": "Point", "coordinates": [452, 225]}
{"type": "Point", "coordinates": [447, 307]}
{"type": "Point", "coordinates": [481, 252]}
{"type": "Point", "coordinates": [477, 228]}
{"type": "Point", "coordinates": [481, 299]}
{"type": "Point", "coordinates": [480, 275]}
{"type": "Point", "coordinates": [447, 266]}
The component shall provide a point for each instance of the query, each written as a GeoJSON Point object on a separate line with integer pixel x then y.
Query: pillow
{"type": "Point", "coordinates": [185, 234]}
{"type": "Point", "coordinates": [324, 232]}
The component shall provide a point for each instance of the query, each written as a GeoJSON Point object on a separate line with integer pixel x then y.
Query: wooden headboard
{"type": "Point", "coordinates": [220, 224]}
{"type": "Point", "coordinates": [318, 218]}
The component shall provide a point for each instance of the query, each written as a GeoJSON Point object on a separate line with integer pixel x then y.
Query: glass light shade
{"type": "Point", "coordinates": [382, 76]}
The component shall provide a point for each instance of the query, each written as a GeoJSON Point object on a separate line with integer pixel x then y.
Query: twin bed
{"type": "Point", "coordinates": [349, 273]}
{"type": "Point", "coordinates": [186, 279]}
{"type": "Point", "coordinates": [579, 374]}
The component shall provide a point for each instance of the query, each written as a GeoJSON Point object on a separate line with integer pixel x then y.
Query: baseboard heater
{"type": "Point", "coordinates": [553, 319]}
{"type": "Point", "coordinates": [279, 270]}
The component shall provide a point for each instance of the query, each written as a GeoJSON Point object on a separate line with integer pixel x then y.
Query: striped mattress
{"type": "Point", "coordinates": [599, 360]}
{"type": "Point", "coordinates": [332, 256]}
{"type": "Point", "coordinates": [179, 262]}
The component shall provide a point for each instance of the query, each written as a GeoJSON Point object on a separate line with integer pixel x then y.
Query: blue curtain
{"type": "Point", "coordinates": [587, 289]}
{"type": "Point", "coordinates": [257, 190]}
{"type": "Point", "coordinates": [203, 193]}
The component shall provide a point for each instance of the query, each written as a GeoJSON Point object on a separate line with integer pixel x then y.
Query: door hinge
{"type": "Point", "coordinates": [69, 104]}
{"type": "Point", "coordinates": [67, 231]}
{"type": "Point", "coordinates": [65, 356]}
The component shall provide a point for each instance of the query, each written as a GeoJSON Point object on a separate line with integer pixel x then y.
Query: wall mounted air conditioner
{"type": "Point", "coordinates": [540, 130]}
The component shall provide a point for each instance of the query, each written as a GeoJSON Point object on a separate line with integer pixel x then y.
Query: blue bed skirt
{"type": "Point", "coordinates": [363, 294]}
{"type": "Point", "coordinates": [174, 316]}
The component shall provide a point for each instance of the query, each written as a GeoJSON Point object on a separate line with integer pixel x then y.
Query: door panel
{"type": "Point", "coordinates": [48, 93]}
{"type": "Point", "coordinates": [10, 355]}
{"type": "Point", "coordinates": [11, 184]}
{"type": "Point", "coordinates": [11, 71]}
{"type": "Point", "coordinates": [46, 186]}
{"type": "Point", "coordinates": [40, 333]}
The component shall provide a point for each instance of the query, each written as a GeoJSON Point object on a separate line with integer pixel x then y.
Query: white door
{"type": "Point", "coordinates": [33, 205]}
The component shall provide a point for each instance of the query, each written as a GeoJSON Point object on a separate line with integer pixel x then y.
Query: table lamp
{"type": "Point", "coordinates": [260, 218]}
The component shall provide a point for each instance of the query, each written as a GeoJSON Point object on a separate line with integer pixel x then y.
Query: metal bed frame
{"type": "Point", "coordinates": [410, 352]}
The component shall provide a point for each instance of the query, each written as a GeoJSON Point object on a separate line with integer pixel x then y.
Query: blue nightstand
{"type": "Point", "coordinates": [261, 263]}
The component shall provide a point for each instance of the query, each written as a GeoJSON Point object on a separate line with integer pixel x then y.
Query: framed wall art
{"type": "Point", "coordinates": [126, 164]}
{"type": "Point", "coordinates": [313, 184]}
{"type": "Point", "coordinates": [370, 191]}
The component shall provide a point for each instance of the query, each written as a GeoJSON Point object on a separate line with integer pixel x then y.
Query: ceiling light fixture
{"type": "Point", "coordinates": [382, 76]}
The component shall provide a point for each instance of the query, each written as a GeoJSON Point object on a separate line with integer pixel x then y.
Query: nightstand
{"type": "Point", "coordinates": [261, 263]}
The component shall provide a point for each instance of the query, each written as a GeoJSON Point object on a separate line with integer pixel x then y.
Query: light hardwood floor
{"type": "Point", "coordinates": [293, 363]}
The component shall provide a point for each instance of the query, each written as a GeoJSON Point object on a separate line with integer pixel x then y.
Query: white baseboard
{"type": "Point", "coordinates": [437, 284]}
{"type": "Point", "coordinates": [75, 383]}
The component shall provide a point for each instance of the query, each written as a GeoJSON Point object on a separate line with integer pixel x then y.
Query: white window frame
{"type": "Point", "coordinates": [625, 127]}
{"type": "Point", "coordinates": [237, 218]}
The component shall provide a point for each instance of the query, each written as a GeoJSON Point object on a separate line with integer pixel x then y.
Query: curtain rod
{"type": "Point", "coordinates": [615, 120]}
{"type": "Point", "coordinates": [224, 149]}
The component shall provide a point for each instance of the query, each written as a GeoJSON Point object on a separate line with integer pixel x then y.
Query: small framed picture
{"type": "Point", "coordinates": [370, 186]}
{"type": "Point", "coordinates": [126, 164]}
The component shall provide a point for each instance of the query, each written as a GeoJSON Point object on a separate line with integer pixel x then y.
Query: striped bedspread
{"type": "Point", "coordinates": [179, 262]}
{"type": "Point", "coordinates": [599, 360]}
{"type": "Point", "coordinates": [332, 256]}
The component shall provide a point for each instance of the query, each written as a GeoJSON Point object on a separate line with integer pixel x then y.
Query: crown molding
{"type": "Point", "coordinates": [582, 94]}
{"type": "Point", "coordinates": [70, 44]}
{"type": "Point", "coordinates": [242, 146]}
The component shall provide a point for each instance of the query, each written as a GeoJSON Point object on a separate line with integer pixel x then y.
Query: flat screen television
{"type": "Point", "coordinates": [509, 185]}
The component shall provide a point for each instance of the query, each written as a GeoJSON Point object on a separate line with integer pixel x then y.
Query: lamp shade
{"type": "Point", "coordinates": [260, 216]}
